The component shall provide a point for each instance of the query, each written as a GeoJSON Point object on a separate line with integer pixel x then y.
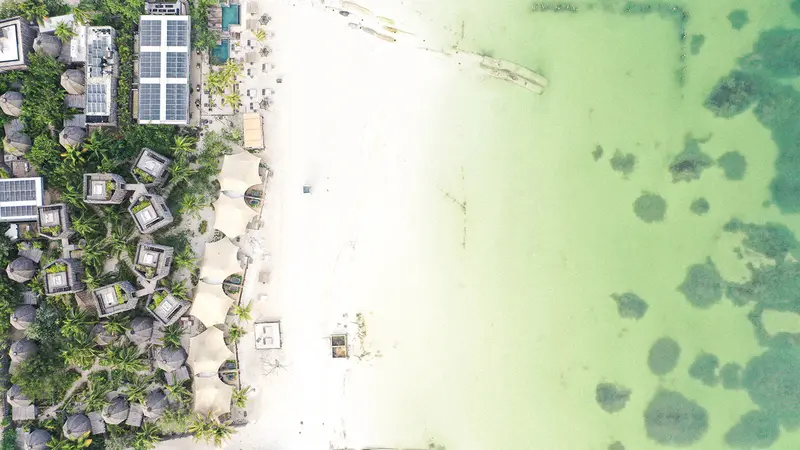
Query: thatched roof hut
{"type": "Point", "coordinates": [170, 359]}
{"type": "Point", "coordinates": [117, 411]}
{"type": "Point", "coordinates": [16, 397]}
{"type": "Point", "coordinates": [155, 404]}
{"type": "Point", "coordinates": [37, 440]}
{"type": "Point", "coordinates": [76, 426]}
{"type": "Point", "coordinates": [141, 330]}
{"type": "Point", "coordinates": [21, 270]}
{"type": "Point", "coordinates": [23, 316]}
{"type": "Point", "coordinates": [101, 336]}
{"type": "Point", "coordinates": [11, 103]}
{"type": "Point", "coordinates": [17, 143]}
{"type": "Point", "coordinates": [22, 350]}
{"type": "Point", "coordinates": [74, 81]}
{"type": "Point", "coordinates": [71, 137]}
{"type": "Point", "coordinates": [47, 44]}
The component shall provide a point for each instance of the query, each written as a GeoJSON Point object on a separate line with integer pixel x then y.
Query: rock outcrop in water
{"type": "Point", "coordinates": [630, 305]}
{"type": "Point", "coordinates": [772, 381]}
{"type": "Point", "coordinates": [597, 153]}
{"type": "Point", "coordinates": [738, 19]}
{"type": "Point", "coordinates": [650, 207]}
{"type": "Point", "coordinates": [663, 356]}
{"type": "Point", "coordinates": [756, 429]}
{"type": "Point", "coordinates": [732, 95]}
{"type": "Point", "coordinates": [617, 445]}
{"type": "Point", "coordinates": [689, 164]}
{"type": "Point", "coordinates": [704, 369]}
{"type": "Point", "coordinates": [730, 374]}
{"type": "Point", "coordinates": [733, 165]}
{"type": "Point", "coordinates": [699, 206]}
{"type": "Point", "coordinates": [672, 419]}
{"type": "Point", "coordinates": [703, 285]}
{"type": "Point", "coordinates": [696, 43]}
{"type": "Point", "coordinates": [773, 240]}
{"type": "Point", "coordinates": [612, 397]}
{"type": "Point", "coordinates": [623, 163]}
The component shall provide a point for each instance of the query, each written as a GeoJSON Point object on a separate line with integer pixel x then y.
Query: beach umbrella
{"type": "Point", "coordinates": [116, 411]}
{"type": "Point", "coordinates": [101, 336]}
{"type": "Point", "coordinates": [11, 103]}
{"type": "Point", "coordinates": [37, 440]}
{"type": "Point", "coordinates": [76, 426]}
{"type": "Point", "coordinates": [71, 137]}
{"type": "Point", "coordinates": [17, 398]}
{"type": "Point", "coordinates": [155, 404]}
{"type": "Point", "coordinates": [17, 143]}
{"type": "Point", "coordinates": [22, 350]}
{"type": "Point", "coordinates": [170, 359]}
{"type": "Point", "coordinates": [141, 330]}
{"type": "Point", "coordinates": [21, 269]}
{"type": "Point", "coordinates": [23, 316]}
{"type": "Point", "coordinates": [74, 81]}
{"type": "Point", "coordinates": [47, 44]}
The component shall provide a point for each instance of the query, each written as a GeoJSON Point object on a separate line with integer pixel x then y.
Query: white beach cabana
{"type": "Point", "coordinates": [212, 396]}
{"type": "Point", "coordinates": [239, 172]}
{"type": "Point", "coordinates": [210, 304]}
{"type": "Point", "coordinates": [253, 133]}
{"type": "Point", "coordinates": [207, 351]}
{"type": "Point", "coordinates": [220, 260]}
{"type": "Point", "coordinates": [232, 215]}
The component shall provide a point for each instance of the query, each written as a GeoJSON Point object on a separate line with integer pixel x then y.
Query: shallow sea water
{"type": "Point", "coordinates": [548, 232]}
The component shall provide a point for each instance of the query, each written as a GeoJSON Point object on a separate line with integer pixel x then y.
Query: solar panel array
{"type": "Point", "coordinates": [96, 96]}
{"type": "Point", "coordinates": [177, 64]}
{"type": "Point", "coordinates": [17, 190]}
{"type": "Point", "coordinates": [97, 48]}
{"type": "Point", "coordinates": [177, 33]}
{"type": "Point", "coordinates": [167, 77]}
{"type": "Point", "coordinates": [176, 101]}
{"type": "Point", "coordinates": [150, 65]}
{"type": "Point", "coordinates": [7, 212]}
{"type": "Point", "coordinates": [150, 33]}
{"type": "Point", "coordinates": [149, 102]}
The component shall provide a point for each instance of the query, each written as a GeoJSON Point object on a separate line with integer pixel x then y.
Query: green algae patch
{"type": "Point", "coordinates": [699, 206]}
{"type": "Point", "coordinates": [612, 397]}
{"type": "Point", "coordinates": [733, 164]}
{"type": "Point", "coordinates": [703, 285]}
{"type": "Point", "coordinates": [616, 445]}
{"type": "Point", "coordinates": [773, 240]}
{"type": "Point", "coordinates": [774, 287]}
{"type": "Point", "coordinates": [731, 374]}
{"type": "Point", "coordinates": [795, 6]}
{"type": "Point", "coordinates": [663, 356]}
{"type": "Point", "coordinates": [650, 207]}
{"type": "Point", "coordinates": [597, 153]}
{"type": "Point", "coordinates": [630, 305]}
{"type": "Point", "coordinates": [732, 95]}
{"type": "Point", "coordinates": [772, 381]}
{"type": "Point", "coordinates": [696, 43]}
{"type": "Point", "coordinates": [689, 164]}
{"type": "Point", "coordinates": [755, 429]}
{"type": "Point", "coordinates": [623, 163]}
{"type": "Point", "coordinates": [704, 369]}
{"type": "Point", "coordinates": [777, 51]}
{"type": "Point", "coordinates": [738, 19]}
{"type": "Point", "coordinates": [672, 419]}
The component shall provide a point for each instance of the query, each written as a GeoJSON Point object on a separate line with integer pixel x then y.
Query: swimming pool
{"type": "Point", "coordinates": [221, 53]}
{"type": "Point", "coordinates": [230, 15]}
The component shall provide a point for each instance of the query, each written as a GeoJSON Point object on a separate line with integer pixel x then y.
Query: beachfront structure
{"type": "Point", "coordinates": [23, 349]}
{"type": "Point", "coordinates": [11, 103]}
{"type": "Point", "coordinates": [23, 316]}
{"type": "Point", "coordinates": [253, 133]}
{"type": "Point", "coordinates": [232, 215]}
{"type": "Point", "coordinates": [74, 82]}
{"type": "Point", "coordinates": [63, 276]}
{"type": "Point", "coordinates": [150, 213]}
{"type": "Point", "coordinates": [239, 172]}
{"type": "Point", "coordinates": [114, 298]}
{"type": "Point", "coordinates": [150, 168]}
{"type": "Point", "coordinates": [47, 44]}
{"type": "Point", "coordinates": [17, 143]}
{"type": "Point", "coordinates": [71, 137]}
{"type": "Point", "coordinates": [16, 397]}
{"type": "Point", "coordinates": [141, 330]}
{"type": "Point", "coordinates": [16, 42]}
{"type": "Point", "coordinates": [176, 8]}
{"type": "Point", "coordinates": [220, 260]}
{"type": "Point", "coordinates": [101, 336]}
{"type": "Point", "coordinates": [207, 351]}
{"type": "Point", "coordinates": [21, 270]}
{"type": "Point", "coordinates": [76, 427]}
{"type": "Point", "coordinates": [20, 199]}
{"type": "Point", "coordinates": [37, 440]}
{"type": "Point", "coordinates": [53, 221]}
{"type": "Point", "coordinates": [165, 307]}
{"type": "Point", "coordinates": [104, 188]}
{"type": "Point", "coordinates": [155, 404]}
{"type": "Point", "coordinates": [210, 304]}
{"type": "Point", "coordinates": [164, 69]}
{"type": "Point", "coordinates": [170, 359]}
{"type": "Point", "coordinates": [153, 261]}
{"type": "Point", "coordinates": [212, 396]}
{"type": "Point", "coordinates": [116, 411]}
{"type": "Point", "coordinates": [102, 73]}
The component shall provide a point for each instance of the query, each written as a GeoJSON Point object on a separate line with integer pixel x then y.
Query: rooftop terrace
{"type": "Point", "coordinates": [114, 298]}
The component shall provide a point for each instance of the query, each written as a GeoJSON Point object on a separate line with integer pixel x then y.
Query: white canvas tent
{"type": "Point", "coordinates": [212, 396]}
{"type": "Point", "coordinates": [210, 304]}
{"type": "Point", "coordinates": [232, 215]}
{"type": "Point", "coordinates": [239, 172]}
{"type": "Point", "coordinates": [207, 351]}
{"type": "Point", "coordinates": [219, 260]}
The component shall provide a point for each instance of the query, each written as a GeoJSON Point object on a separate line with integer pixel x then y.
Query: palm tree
{"type": "Point", "coordinates": [36, 285]}
{"type": "Point", "coordinates": [184, 145]}
{"type": "Point", "coordinates": [126, 359]}
{"type": "Point", "coordinates": [147, 437]}
{"type": "Point", "coordinates": [191, 204]}
{"type": "Point", "coordinates": [185, 259]}
{"type": "Point", "coordinates": [33, 10]}
{"type": "Point", "coordinates": [94, 254]}
{"type": "Point", "coordinates": [82, 14]}
{"type": "Point", "coordinates": [64, 31]}
{"type": "Point", "coordinates": [86, 224]}
{"type": "Point", "coordinates": [243, 312]}
{"type": "Point", "coordinates": [178, 392]}
{"type": "Point", "coordinates": [209, 429]}
{"type": "Point", "coordinates": [260, 35]}
{"type": "Point", "coordinates": [235, 333]}
{"type": "Point", "coordinates": [94, 398]}
{"type": "Point", "coordinates": [94, 279]}
{"type": "Point", "coordinates": [233, 99]}
{"type": "Point", "coordinates": [179, 290]}
{"type": "Point", "coordinates": [66, 444]}
{"type": "Point", "coordinates": [79, 351]}
{"type": "Point", "coordinates": [75, 324]}
{"type": "Point", "coordinates": [98, 143]}
{"type": "Point", "coordinates": [136, 391]}
{"type": "Point", "coordinates": [73, 154]}
{"type": "Point", "coordinates": [180, 171]}
{"type": "Point", "coordinates": [172, 335]}
{"type": "Point", "coordinates": [240, 397]}
{"type": "Point", "coordinates": [73, 196]}
{"type": "Point", "coordinates": [117, 325]}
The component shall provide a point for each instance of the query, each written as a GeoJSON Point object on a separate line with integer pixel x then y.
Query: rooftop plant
{"type": "Point", "coordinates": [142, 204]}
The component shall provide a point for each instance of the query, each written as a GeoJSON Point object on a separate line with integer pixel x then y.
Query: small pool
{"type": "Point", "coordinates": [230, 15]}
{"type": "Point", "coordinates": [221, 53]}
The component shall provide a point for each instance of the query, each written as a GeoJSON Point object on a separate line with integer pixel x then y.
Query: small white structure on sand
{"type": "Point", "coordinates": [268, 335]}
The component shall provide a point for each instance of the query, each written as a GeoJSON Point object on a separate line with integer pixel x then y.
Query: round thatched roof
{"type": "Point", "coordinates": [170, 359]}
{"type": "Point", "coordinates": [23, 316]}
{"type": "Point", "coordinates": [76, 426]}
{"type": "Point", "coordinates": [141, 329]}
{"type": "Point", "coordinates": [37, 440]}
{"type": "Point", "coordinates": [16, 397]}
{"type": "Point", "coordinates": [22, 350]}
{"type": "Point", "coordinates": [74, 81]}
{"type": "Point", "coordinates": [101, 336]}
{"type": "Point", "coordinates": [117, 411]}
{"type": "Point", "coordinates": [11, 103]}
{"type": "Point", "coordinates": [21, 270]}
{"type": "Point", "coordinates": [47, 44]}
{"type": "Point", "coordinates": [155, 404]}
{"type": "Point", "coordinates": [71, 137]}
{"type": "Point", "coordinates": [17, 143]}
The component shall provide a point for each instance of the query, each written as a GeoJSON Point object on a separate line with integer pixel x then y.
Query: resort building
{"type": "Point", "coordinates": [164, 70]}
{"type": "Point", "coordinates": [150, 168]}
{"type": "Point", "coordinates": [53, 221]}
{"type": "Point", "coordinates": [114, 298]}
{"type": "Point", "coordinates": [150, 213]}
{"type": "Point", "coordinates": [102, 72]}
{"type": "Point", "coordinates": [20, 198]}
{"type": "Point", "coordinates": [104, 188]}
{"type": "Point", "coordinates": [21, 270]}
{"type": "Point", "coordinates": [176, 8]}
{"type": "Point", "coordinates": [153, 261]}
{"type": "Point", "coordinates": [16, 41]}
{"type": "Point", "coordinates": [165, 307]}
{"type": "Point", "coordinates": [11, 103]}
{"type": "Point", "coordinates": [63, 276]}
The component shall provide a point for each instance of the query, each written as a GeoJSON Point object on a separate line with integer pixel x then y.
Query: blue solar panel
{"type": "Point", "coordinates": [149, 102]}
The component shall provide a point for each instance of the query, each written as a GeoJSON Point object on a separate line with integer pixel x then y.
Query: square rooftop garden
{"type": "Point", "coordinates": [151, 167]}
{"type": "Point", "coordinates": [153, 261]}
{"type": "Point", "coordinates": [103, 188]}
{"type": "Point", "coordinates": [53, 221]}
{"type": "Point", "coordinates": [166, 307]}
{"type": "Point", "coordinates": [63, 276]}
{"type": "Point", "coordinates": [150, 213]}
{"type": "Point", "coordinates": [114, 298]}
